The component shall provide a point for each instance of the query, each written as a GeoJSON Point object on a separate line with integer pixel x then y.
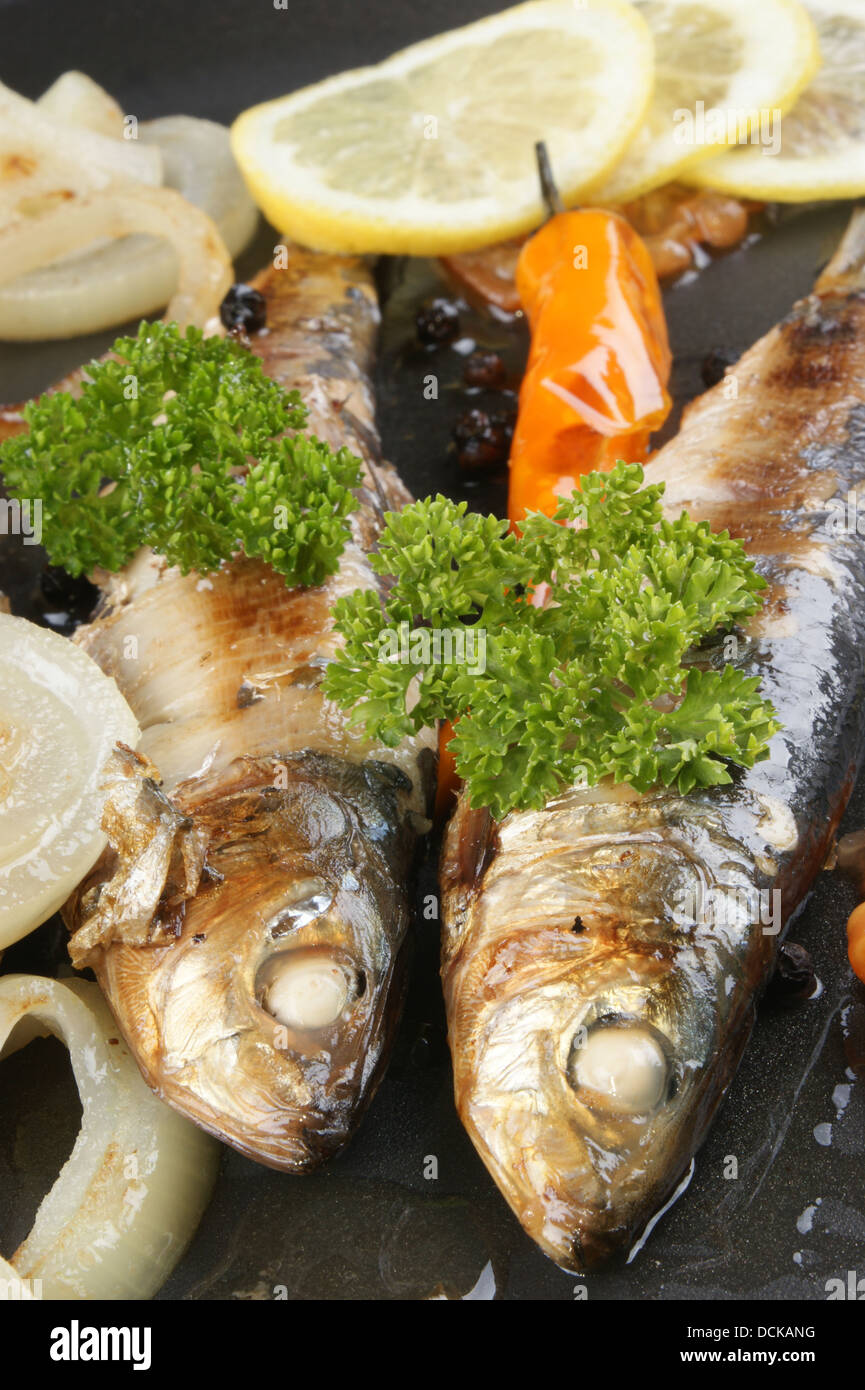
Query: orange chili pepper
{"type": "Point", "coordinates": [448, 781]}
{"type": "Point", "coordinates": [595, 385]}
{"type": "Point", "coordinates": [856, 940]}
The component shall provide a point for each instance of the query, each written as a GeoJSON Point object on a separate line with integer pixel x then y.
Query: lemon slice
{"type": "Point", "coordinates": [722, 68]}
{"type": "Point", "coordinates": [433, 150]}
{"type": "Point", "coordinates": [59, 720]}
{"type": "Point", "coordinates": [822, 147]}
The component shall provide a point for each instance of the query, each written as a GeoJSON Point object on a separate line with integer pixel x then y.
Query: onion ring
{"type": "Point", "coordinates": [134, 277]}
{"type": "Point", "coordinates": [205, 265]}
{"type": "Point", "coordinates": [126, 1203]}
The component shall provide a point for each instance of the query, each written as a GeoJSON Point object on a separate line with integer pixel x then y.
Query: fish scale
{"type": "Point", "coordinates": [589, 1064]}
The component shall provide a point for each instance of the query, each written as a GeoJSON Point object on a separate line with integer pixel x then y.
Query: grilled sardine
{"type": "Point", "coordinates": [247, 923]}
{"type": "Point", "coordinates": [603, 957]}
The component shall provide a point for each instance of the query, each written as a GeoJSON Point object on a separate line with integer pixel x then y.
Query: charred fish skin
{"type": "Point", "coordinates": [263, 1003]}
{"type": "Point", "coordinates": [602, 958]}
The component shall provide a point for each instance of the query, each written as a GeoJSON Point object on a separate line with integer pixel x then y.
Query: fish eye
{"type": "Point", "coordinates": [619, 1065]}
{"type": "Point", "coordinates": [305, 989]}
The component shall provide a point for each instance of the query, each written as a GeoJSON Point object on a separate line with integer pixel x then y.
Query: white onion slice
{"type": "Point", "coordinates": [135, 277]}
{"type": "Point", "coordinates": [60, 717]}
{"type": "Point", "coordinates": [126, 1203]}
{"type": "Point", "coordinates": [12, 1287]}
{"type": "Point", "coordinates": [197, 161]}
{"type": "Point", "coordinates": [76, 100]}
{"type": "Point", "coordinates": [43, 164]}
{"type": "Point", "coordinates": [205, 265]}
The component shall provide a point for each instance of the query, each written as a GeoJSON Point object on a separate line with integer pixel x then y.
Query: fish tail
{"type": "Point", "coordinates": [845, 273]}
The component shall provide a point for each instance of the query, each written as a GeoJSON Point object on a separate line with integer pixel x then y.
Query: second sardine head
{"type": "Point", "coordinates": [588, 989]}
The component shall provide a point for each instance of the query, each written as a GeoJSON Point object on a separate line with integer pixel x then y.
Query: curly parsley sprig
{"type": "Point", "coordinates": [181, 443]}
{"type": "Point", "coordinates": [605, 680]}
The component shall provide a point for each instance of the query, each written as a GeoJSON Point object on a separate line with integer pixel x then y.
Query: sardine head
{"type": "Point", "coordinates": [584, 1012]}
{"type": "Point", "coordinates": [268, 1019]}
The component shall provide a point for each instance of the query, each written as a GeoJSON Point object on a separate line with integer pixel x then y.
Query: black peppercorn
{"type": "Point", "coordinates": [482, 440]}
{"type": "Point", "coordinates": [794, 977]}
{"type": "Point", "coordinates": [73, 597]}
{"type": "Point", "coordinates": [243, 307]}
{"type": "Point", "coordinates": [484, 369]}
{"type": "Point", "coordinates": [715, 364]}
{"type": "Point", "coordinates": [438, 322]}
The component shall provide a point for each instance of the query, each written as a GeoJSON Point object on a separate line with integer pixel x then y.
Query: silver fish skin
{"type": "Point", "coordinates": [249, 920]}
{"type": "Point", "coordinates": [602, 958]}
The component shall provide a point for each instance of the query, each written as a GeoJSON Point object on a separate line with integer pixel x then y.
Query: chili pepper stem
{"type": "Point", "coordinates": [552, 196]}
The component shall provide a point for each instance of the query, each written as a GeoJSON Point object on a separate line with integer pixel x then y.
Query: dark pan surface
{"type": "Point", "coordinates": [374, 1223]}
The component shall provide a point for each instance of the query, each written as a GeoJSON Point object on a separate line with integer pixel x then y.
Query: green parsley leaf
{"type": "Point", "coordinates": [181, 442]}
{"type": "Point", "coordinates": [604, 680]}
